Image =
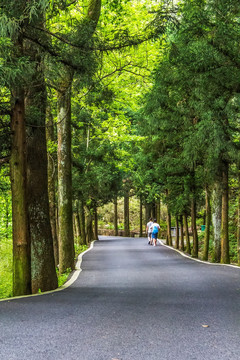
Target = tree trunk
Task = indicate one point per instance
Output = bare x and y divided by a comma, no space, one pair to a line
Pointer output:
140,217
147,213
182,233
169,234
238,219
159,211
207,226
74,227
7,214
82,224
194,228
95,223
94,8
21,239
89,232
77,227
177,234
52,171
115,217
153,210
225,259
43,273
126,215
66,241
188,245
216,220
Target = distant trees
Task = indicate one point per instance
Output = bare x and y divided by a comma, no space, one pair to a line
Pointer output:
192,114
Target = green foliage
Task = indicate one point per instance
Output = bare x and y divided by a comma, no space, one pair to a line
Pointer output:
80,248
5,268
63,277
5,236
106,214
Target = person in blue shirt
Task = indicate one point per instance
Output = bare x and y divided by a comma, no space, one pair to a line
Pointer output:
155,229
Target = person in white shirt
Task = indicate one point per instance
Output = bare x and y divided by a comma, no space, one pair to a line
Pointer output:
155,228
149,231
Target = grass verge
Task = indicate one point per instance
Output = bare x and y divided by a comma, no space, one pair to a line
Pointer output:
6,276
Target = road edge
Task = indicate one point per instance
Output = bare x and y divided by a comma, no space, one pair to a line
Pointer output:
194,259
75,274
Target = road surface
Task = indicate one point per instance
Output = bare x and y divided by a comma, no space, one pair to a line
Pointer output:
132,301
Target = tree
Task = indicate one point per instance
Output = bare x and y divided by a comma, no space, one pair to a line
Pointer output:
20,66
194,92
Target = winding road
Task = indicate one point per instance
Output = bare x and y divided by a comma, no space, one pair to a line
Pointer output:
132,301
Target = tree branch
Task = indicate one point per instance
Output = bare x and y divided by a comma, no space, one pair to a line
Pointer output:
65,41
134,40
54,53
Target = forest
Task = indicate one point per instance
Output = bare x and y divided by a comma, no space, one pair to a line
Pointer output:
105,101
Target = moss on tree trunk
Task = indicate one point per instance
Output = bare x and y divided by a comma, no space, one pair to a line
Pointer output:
77,227
65,221
21,240
82,223
52,172
43,272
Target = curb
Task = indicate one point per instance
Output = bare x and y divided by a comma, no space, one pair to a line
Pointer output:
75,275
194,259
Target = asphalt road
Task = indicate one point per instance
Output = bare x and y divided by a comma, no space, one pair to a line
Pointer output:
132,301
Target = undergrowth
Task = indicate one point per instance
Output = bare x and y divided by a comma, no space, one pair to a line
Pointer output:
6,268
6,265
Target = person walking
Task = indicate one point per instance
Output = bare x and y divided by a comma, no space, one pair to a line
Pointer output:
155,229
149,231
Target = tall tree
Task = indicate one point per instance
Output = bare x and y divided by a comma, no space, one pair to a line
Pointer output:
115,217
43,273
37,202
21,239
207,228
52,172
66,241
126,213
